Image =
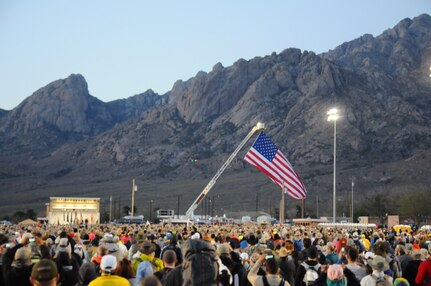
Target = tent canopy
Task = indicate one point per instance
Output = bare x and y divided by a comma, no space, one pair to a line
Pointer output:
28,222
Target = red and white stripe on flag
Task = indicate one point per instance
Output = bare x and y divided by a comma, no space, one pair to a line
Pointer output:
266,157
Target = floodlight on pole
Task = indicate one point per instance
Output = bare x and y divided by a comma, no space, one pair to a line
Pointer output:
333,116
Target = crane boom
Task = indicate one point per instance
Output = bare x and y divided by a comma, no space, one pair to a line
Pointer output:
189,213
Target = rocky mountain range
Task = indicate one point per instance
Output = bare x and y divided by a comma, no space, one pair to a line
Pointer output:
62,141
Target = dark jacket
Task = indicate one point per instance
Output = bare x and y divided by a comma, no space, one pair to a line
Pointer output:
411,271
163,273
287,269
14,275
174,277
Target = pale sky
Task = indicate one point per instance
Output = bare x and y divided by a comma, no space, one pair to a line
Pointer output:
123,48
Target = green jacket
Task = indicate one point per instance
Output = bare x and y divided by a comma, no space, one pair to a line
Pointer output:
156,262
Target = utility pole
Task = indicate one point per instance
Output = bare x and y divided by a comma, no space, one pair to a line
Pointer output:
257,203
178,205
110,208
151,210
133,198
119,207
302,208
282,205
353,184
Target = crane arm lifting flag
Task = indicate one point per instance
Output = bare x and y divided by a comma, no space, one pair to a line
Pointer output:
266,157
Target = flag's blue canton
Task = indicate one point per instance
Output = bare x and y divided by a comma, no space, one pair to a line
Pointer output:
265,147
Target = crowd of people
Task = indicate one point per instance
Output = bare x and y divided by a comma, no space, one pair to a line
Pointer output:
239,255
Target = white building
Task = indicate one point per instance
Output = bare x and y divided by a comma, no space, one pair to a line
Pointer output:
65,210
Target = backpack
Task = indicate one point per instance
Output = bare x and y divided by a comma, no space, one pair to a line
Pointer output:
200,265
311,273
382,280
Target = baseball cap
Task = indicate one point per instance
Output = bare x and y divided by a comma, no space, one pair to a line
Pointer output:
108,263
44,270
23,256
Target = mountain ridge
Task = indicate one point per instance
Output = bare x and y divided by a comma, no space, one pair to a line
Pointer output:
380,84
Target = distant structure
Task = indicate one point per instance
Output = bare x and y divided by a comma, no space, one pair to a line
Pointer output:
309,221
388,220
65,210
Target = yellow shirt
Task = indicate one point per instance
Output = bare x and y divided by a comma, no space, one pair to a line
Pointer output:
367,243
109,280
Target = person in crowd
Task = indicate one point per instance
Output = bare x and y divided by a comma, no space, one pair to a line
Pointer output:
112,245
306,243
146,253
169,262
353,265
150,280
124,269
336,275
404,256
5,245
144,269
331,256
286,265
108,265
271,276
311,262
17,263
378,265
172,244
135,241
88,272
382,248
412,267
423,276
297,241
67,265
365,241
97,258
44,273
92,244
231,260
122,249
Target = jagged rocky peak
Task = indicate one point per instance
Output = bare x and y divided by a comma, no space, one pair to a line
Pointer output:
394,53
124,109
64,104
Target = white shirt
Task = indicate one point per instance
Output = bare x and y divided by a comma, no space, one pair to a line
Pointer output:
256,280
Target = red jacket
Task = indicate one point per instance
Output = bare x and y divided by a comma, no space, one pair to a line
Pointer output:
424,273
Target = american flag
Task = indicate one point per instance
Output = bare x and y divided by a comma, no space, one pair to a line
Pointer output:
266,157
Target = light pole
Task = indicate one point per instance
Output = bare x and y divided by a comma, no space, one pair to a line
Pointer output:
353,184
134,189
333,116
151,210
110,208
